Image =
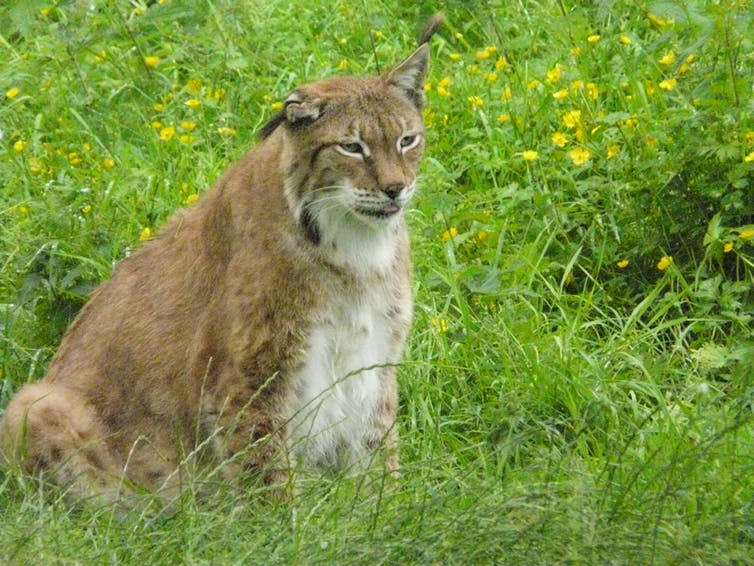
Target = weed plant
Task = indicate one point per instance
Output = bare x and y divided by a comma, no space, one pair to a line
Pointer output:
579,383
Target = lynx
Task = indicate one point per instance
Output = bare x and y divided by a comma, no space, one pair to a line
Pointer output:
263,324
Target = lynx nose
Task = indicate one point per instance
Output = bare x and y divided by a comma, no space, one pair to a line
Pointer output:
393,190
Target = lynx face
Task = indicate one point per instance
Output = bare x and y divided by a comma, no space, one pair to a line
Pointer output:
353,147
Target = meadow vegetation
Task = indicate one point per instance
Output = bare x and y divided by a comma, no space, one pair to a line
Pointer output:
579,384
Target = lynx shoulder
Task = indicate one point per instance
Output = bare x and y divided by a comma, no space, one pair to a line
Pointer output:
263,324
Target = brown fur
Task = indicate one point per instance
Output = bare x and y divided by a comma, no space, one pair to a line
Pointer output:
194,340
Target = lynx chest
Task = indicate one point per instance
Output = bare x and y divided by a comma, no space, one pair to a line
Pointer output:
338,386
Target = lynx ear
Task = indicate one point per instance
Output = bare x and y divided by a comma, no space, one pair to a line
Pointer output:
409,75
298,107
297,110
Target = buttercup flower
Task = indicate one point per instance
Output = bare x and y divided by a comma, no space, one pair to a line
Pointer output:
192,198
503,118
454,56
12,92
559,139
749,158
554,74
613,150
476,101
507,93
194,86
579,155
501,63
145,234
625,40
167,133
668,58
560,94
592,92
665,262
594,38
450,233
529,155
188,125
19,146
667,84
193,103
746,234
276,105
572,118
151,61
727,247
622,264
108,163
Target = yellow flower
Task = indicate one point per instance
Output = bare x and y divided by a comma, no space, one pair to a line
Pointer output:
483,54
613,150
507,93
19,146
578,84
657,21
625,40
630,122
476,101
575,51
194,86
440,324
276,106
217,94
559,139
746,234
378,34
185,138
145,234
749,137
44,12
491,77
622,264
12,92
458,35
442,91
529,155
427,87
490,49
108,163
193,103
23,209
223,131
343,40
748,159
579,155
532,84
156,124
560,94
594,38
151,61
501,63
665,262
668,84
86,209
100,57
454,56
572,118
188,125
481,235
554,74
472,69
34,165
167,133
445,82
343,64
503,118
192,198
668,58
449,234
592,92
158,106
728,247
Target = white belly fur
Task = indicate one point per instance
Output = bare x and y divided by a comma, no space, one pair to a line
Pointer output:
336,390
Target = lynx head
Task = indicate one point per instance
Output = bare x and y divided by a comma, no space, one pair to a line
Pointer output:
352,147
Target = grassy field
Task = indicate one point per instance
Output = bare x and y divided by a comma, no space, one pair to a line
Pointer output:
579,385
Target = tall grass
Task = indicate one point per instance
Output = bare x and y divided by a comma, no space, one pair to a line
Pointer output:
578,387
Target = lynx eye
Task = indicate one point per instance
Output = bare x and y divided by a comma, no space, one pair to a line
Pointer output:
351,149
408,141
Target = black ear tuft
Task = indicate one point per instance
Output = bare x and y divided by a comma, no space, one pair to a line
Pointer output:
272,125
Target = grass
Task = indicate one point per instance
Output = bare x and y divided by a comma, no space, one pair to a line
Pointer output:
569,396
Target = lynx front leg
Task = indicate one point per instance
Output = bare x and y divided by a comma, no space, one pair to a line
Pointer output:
384,431
248,439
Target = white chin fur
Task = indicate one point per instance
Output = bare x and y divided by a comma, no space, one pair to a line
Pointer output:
347,238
